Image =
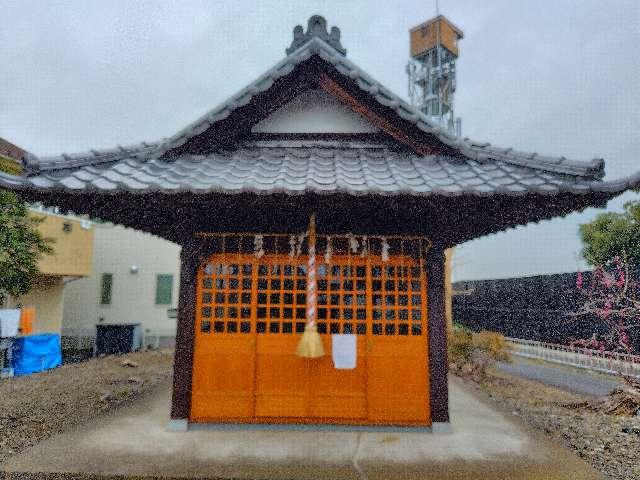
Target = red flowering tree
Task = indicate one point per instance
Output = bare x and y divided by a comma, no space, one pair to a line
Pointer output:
612,297
611,244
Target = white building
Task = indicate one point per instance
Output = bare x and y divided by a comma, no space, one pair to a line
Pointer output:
134,280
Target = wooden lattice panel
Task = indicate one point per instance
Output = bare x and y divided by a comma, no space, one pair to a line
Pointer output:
351,291
250,312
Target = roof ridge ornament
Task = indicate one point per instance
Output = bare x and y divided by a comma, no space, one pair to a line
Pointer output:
316,27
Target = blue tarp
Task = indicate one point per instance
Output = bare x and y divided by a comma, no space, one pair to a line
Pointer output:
35,353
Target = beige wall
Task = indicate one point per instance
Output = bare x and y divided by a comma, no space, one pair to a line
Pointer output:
9,165
47,298
72,257
72,250
116,249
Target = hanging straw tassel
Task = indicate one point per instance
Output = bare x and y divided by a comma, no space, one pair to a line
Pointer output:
310,345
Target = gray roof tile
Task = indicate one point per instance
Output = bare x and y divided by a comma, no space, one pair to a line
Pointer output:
482,151
297,166
319,166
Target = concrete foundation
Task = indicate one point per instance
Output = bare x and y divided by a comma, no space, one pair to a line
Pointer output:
178,425
482,443
441,427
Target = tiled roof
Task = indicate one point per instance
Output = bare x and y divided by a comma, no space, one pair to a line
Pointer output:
302,166
10,150
93,157
316,166
466,146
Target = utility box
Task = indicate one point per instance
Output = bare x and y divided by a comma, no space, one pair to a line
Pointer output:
118,338
6,346
9,322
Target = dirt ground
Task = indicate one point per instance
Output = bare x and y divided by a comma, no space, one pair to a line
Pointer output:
610,443
78,476
35,407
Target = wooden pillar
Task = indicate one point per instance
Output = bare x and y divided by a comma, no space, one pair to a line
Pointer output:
448,288
183,362
438,362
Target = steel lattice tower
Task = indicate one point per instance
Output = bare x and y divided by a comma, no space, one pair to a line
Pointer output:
432,71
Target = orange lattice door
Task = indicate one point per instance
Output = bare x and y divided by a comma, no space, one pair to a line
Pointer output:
398,383
251,312
297,389
282,378
224,350
341,395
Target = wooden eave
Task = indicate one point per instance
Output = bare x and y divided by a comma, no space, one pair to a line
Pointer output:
447,221
312,74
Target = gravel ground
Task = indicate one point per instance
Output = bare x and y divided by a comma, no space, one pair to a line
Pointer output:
611,444
37,406
566,378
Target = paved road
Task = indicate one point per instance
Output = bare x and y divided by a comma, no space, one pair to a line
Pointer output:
566,378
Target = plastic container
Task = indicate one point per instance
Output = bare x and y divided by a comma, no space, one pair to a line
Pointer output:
27,318
36,353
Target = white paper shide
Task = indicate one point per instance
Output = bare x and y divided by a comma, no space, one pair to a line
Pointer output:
344,351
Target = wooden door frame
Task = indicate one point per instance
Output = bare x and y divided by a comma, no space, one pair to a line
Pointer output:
437,325
185,331
193,253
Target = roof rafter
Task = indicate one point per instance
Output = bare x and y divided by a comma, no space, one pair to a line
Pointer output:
333,88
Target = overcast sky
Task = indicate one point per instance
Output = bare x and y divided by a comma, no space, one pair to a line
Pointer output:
558,77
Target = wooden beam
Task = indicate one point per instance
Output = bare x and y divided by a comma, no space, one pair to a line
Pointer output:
176,216
332,87
448,312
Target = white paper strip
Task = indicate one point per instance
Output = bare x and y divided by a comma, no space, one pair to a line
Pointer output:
343,351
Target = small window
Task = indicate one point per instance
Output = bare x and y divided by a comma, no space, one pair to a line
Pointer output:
105,289
435,106
164,289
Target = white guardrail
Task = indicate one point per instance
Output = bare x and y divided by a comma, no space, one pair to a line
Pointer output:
608,362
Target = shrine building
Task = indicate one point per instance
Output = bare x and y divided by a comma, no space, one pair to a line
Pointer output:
314,142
